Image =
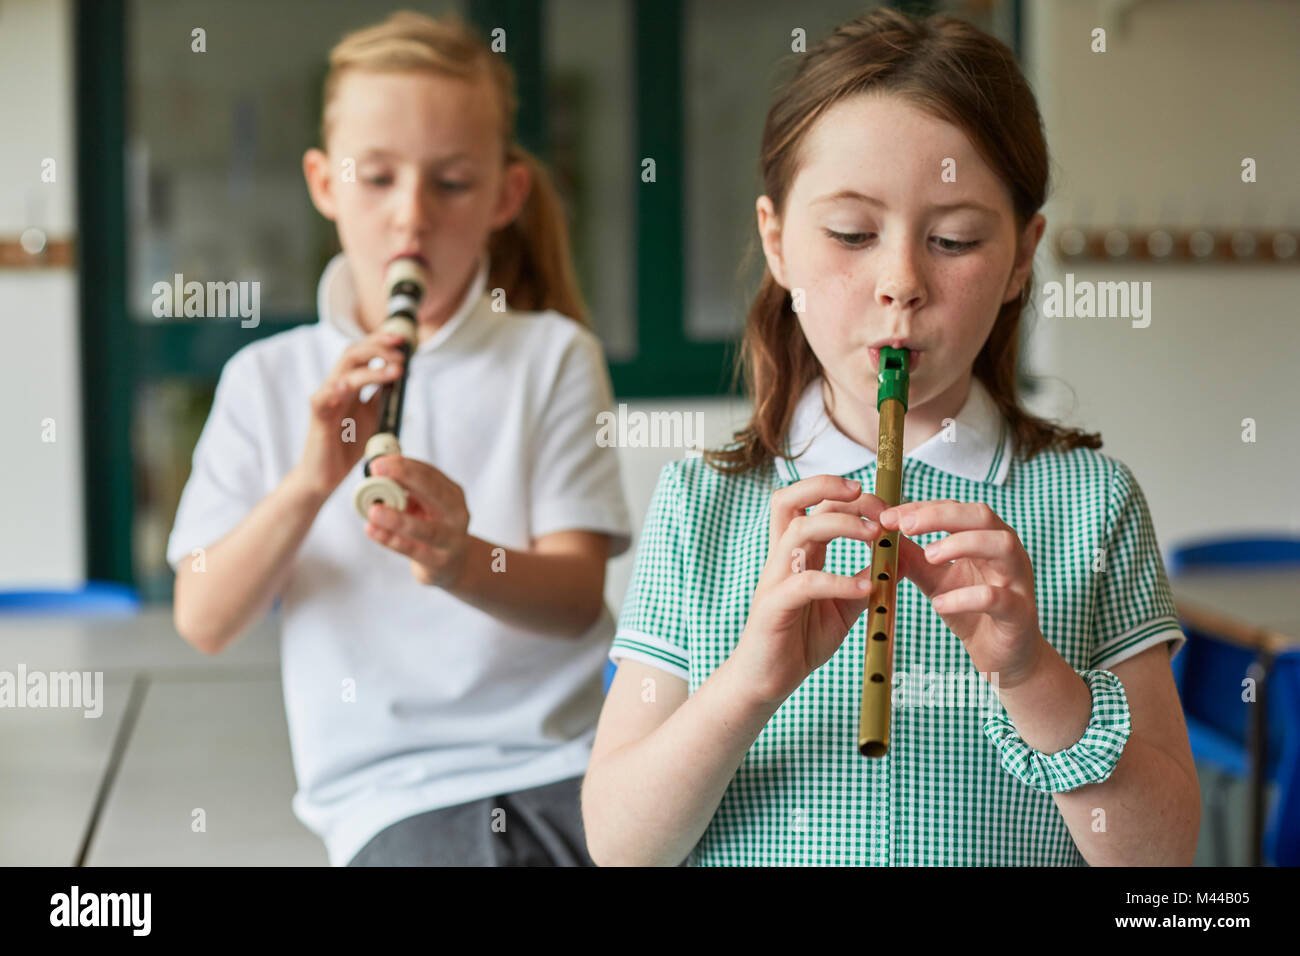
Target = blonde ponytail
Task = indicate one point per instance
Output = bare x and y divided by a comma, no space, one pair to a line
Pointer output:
530,257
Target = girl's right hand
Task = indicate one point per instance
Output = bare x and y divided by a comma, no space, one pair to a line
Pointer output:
801,614
327,457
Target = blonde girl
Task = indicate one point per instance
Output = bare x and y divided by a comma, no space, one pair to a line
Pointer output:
441,666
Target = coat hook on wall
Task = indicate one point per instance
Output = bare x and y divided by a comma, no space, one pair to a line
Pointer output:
34,249
1158,244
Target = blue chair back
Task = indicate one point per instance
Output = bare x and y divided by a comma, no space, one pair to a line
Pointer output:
1269,551
1212,688
1236,553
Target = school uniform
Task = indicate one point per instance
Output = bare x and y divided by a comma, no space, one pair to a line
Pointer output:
400,698
958,786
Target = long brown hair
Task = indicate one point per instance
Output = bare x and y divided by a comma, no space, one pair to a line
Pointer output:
530,257
959,74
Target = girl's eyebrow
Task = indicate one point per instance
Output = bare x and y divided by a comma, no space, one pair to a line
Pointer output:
872,200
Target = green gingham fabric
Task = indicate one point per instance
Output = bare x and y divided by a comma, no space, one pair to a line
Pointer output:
945,794
1091,760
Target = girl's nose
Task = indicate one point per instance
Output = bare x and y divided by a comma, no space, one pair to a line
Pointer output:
414,207
900,282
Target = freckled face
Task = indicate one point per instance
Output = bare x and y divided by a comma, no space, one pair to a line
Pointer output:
429,171
895,265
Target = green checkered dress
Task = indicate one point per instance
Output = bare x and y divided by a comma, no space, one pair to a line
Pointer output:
957,787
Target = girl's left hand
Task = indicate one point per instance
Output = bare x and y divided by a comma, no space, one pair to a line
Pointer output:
979,579
433,530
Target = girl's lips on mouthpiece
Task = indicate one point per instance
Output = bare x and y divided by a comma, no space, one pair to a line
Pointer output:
912,357
411,254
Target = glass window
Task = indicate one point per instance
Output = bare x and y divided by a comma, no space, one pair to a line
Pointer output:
215,139
591,126
167,418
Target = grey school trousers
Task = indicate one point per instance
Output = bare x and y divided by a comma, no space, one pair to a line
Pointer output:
541,826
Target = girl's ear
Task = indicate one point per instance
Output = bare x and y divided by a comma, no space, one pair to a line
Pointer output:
320,182
515,187
769,233
1025,248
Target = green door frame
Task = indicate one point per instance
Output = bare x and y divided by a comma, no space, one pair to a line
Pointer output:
108,351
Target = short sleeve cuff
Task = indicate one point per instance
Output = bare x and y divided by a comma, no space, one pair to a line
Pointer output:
1091,760
1135,640
652,650
583,516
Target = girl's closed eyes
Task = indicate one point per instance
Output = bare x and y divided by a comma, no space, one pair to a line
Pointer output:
444,185
856,240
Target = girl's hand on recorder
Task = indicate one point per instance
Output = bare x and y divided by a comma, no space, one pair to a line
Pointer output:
332,448
800,614
433,531
979,579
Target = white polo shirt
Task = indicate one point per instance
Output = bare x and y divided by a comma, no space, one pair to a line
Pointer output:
401,698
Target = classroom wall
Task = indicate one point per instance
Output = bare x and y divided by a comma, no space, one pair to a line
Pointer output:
41,521
1156,128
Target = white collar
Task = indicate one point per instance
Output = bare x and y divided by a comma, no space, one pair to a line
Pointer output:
336,302
980,449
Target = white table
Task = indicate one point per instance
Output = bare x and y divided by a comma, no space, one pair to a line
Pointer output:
180,731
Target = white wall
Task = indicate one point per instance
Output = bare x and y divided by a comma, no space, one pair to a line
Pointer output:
639,468
41,521
1155,129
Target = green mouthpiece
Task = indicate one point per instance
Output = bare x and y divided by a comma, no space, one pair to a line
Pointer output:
891,380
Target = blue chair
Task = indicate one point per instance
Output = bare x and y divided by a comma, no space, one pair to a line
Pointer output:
1236,553
1282,839
610,668
1209,673
95,598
